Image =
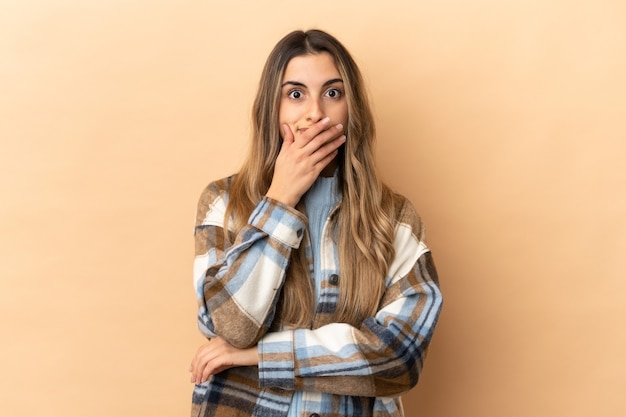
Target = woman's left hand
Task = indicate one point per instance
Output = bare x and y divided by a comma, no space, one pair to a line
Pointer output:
218,355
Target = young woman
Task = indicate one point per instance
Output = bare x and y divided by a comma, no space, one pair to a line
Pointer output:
316,288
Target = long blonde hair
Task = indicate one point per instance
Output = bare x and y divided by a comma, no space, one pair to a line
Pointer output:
364,222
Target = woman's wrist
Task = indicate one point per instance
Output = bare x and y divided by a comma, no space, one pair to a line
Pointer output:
251,356
286,200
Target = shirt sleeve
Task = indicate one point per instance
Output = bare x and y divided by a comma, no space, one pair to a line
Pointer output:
385,354
238,285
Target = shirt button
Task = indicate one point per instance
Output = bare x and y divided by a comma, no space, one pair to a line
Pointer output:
334,279
299,232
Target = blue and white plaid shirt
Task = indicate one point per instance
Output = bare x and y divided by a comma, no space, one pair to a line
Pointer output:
342,370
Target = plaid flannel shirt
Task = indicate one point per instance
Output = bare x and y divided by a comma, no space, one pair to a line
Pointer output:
342,370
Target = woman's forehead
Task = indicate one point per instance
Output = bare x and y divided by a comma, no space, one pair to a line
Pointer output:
313,68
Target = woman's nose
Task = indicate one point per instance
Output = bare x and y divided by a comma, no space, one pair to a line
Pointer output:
315,111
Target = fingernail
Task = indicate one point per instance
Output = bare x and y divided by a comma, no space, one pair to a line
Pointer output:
339,126
342,138
325,120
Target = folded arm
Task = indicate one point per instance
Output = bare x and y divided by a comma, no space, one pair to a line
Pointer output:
238,285
384,355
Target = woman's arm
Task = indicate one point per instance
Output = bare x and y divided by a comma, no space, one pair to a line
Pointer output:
237,286
381,357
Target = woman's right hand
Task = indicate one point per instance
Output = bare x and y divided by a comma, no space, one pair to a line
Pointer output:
302,159
218,355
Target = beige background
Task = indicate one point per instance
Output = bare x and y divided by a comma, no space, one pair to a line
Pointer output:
503,121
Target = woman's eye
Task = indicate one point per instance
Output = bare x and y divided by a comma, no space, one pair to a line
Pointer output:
295,94
333,93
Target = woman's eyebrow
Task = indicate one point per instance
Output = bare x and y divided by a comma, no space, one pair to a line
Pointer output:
332,81
296,83
299,84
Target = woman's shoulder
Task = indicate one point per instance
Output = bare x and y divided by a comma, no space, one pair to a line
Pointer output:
214,192
406,214
218,187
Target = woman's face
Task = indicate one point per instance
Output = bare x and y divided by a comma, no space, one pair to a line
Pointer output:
311,90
